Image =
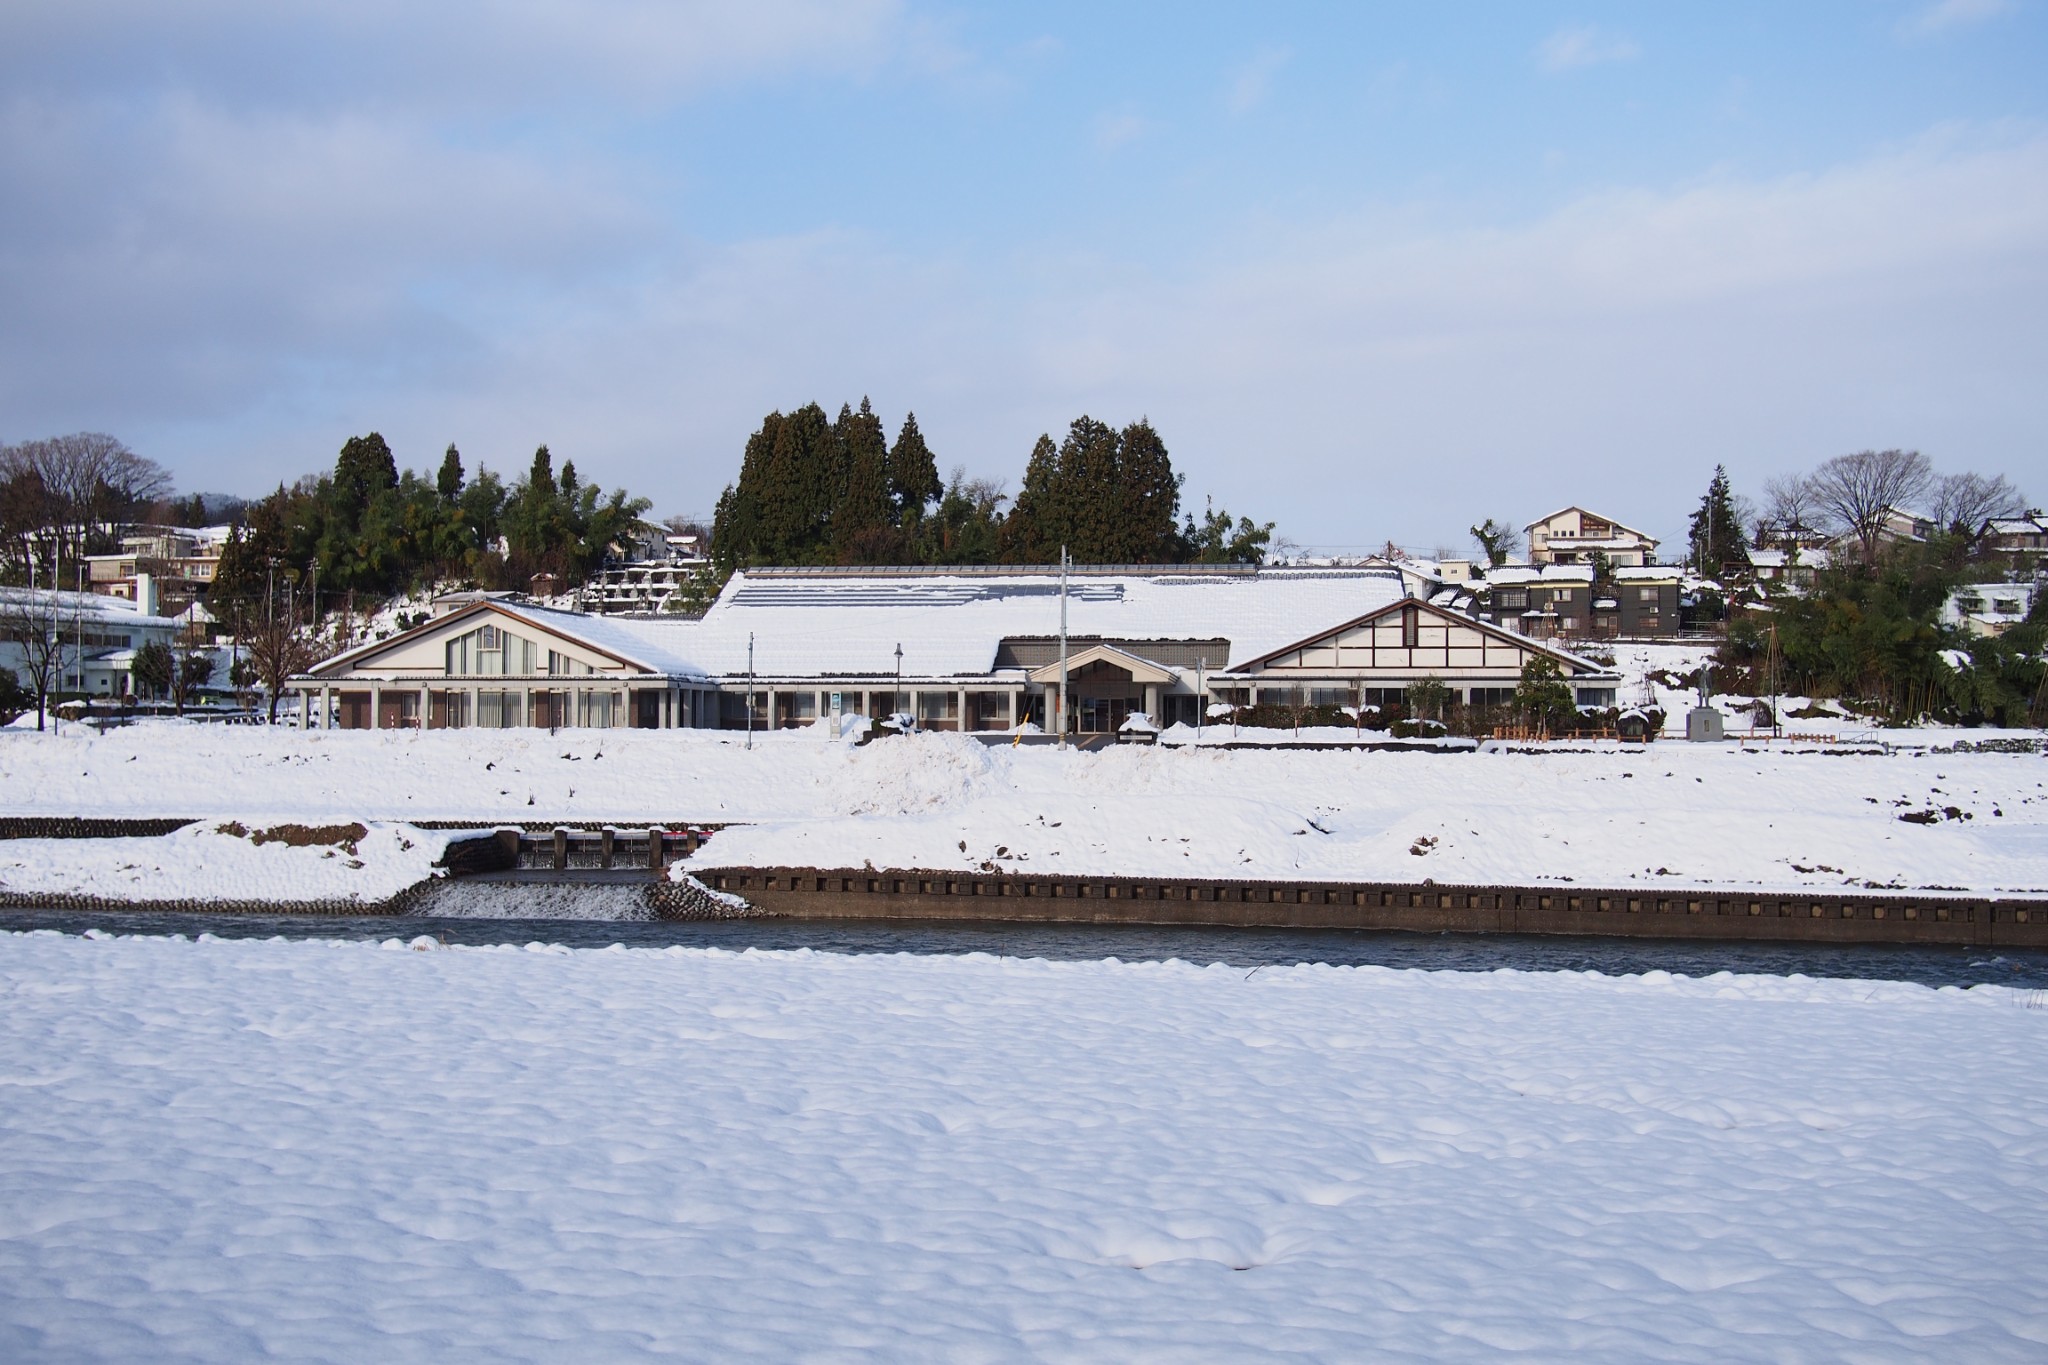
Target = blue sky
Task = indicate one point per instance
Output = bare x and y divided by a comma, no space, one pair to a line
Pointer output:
1375,271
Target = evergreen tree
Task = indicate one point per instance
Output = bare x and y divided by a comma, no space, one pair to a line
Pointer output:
863,530
449,481
913,473
1037,525
365,468
1147,500
1716,534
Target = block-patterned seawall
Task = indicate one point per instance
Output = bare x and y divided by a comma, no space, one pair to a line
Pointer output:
1903,917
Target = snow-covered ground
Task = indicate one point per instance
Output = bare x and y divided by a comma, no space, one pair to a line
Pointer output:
225,1151
225,861
1674,814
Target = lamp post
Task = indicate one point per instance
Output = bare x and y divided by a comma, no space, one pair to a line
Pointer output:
750,690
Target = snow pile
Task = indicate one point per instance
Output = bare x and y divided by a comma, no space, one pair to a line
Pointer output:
241,1150
227,861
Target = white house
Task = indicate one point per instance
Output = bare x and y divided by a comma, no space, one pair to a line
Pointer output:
962,648
1574,536
1988,608
98,636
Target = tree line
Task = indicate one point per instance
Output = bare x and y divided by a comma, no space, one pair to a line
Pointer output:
814,490
367,528
1870,629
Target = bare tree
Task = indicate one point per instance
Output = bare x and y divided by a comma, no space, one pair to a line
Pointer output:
275,640
1498,539
91,482
1964,502
1790,506
32,620
1858,490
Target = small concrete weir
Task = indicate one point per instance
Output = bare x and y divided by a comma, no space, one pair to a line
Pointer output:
566,872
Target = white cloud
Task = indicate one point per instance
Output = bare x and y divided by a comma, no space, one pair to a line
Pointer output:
1568,49
1116,128
1943,15
1254,81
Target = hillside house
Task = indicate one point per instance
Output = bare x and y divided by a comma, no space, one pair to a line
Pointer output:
1574,536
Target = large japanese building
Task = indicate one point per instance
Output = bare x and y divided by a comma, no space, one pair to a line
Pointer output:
961,648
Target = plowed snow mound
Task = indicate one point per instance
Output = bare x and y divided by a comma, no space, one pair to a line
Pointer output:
911,774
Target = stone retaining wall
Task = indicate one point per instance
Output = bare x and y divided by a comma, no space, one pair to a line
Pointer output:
86,827
839,893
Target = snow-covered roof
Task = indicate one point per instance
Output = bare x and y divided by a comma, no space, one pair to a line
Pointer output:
1515,574
85,606
1644,535
849,623
1650,573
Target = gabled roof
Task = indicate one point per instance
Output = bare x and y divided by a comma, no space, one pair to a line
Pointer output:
1141,670
588,631
1513,637
1645,535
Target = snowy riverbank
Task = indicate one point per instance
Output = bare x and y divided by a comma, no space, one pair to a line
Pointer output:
226,862
239,1150
1674,815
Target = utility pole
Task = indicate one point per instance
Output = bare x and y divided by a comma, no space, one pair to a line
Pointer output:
1777,722
1060,719
750,690
1201,696
896,698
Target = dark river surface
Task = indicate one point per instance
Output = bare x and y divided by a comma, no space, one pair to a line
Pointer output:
1932,966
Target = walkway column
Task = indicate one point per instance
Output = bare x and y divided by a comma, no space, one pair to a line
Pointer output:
1152,701
326,707
305,708
426,705
376,706
960,700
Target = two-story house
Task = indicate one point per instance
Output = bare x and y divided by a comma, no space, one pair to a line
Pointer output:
1574,536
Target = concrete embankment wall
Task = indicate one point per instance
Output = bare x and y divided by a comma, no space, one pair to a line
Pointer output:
839,893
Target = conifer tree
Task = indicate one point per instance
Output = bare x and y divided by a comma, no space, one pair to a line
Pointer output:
449,481
1037,524
1147,499
365,468
913,473
862,524
1716,533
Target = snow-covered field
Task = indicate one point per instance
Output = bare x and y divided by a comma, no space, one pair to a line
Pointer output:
224,1151
1673,815
221,861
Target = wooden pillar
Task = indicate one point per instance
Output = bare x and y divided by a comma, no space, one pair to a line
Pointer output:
326,707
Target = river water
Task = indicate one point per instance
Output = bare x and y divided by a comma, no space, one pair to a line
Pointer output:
1247,948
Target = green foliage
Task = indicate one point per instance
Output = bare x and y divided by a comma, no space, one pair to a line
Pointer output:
449,480
1427,697
913,472
370,529
1109,497
15,700
1542,697
1716,534
1869,633
153,669
1497,540
1218,541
